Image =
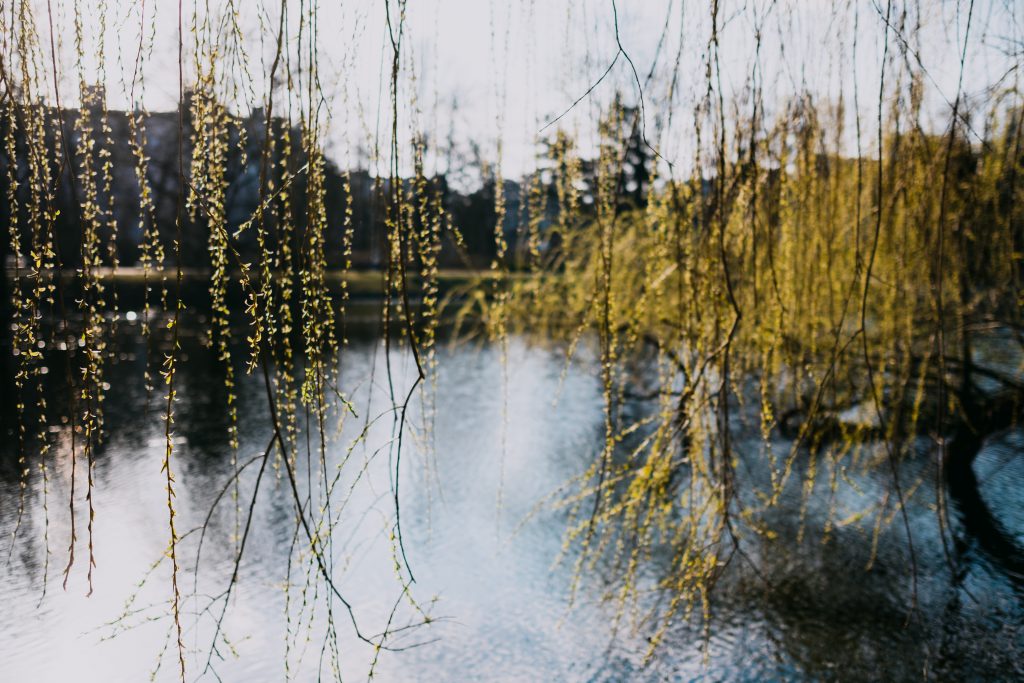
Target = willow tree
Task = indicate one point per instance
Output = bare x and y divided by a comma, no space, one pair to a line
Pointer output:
806,255
842,294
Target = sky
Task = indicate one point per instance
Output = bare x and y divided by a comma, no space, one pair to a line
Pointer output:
489,74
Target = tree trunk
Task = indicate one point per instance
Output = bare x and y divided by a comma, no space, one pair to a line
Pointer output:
983,418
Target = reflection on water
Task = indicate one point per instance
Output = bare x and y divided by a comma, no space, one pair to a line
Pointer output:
486,573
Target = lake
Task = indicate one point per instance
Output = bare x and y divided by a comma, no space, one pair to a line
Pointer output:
482,538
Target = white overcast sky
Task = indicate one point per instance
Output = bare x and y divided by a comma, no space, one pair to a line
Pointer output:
496,69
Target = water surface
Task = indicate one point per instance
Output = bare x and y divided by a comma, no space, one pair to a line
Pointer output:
482,546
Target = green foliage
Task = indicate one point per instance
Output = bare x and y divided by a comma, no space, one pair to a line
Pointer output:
810,282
